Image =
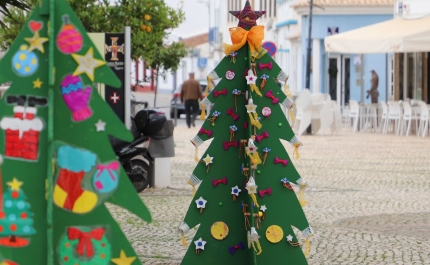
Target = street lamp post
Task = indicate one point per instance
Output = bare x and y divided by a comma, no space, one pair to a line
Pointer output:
309,49
308,57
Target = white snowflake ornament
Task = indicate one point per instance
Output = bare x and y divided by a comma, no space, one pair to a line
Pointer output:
251,148
251,107
263,208
250,78
253,235
250,186
200,244
201,203
235,190
208,159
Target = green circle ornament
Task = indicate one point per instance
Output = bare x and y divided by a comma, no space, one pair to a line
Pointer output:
279,124
73,247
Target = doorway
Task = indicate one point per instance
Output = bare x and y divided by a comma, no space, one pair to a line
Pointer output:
345,80
338,78
333,80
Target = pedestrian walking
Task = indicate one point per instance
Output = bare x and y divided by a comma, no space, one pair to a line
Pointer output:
373,92
190,95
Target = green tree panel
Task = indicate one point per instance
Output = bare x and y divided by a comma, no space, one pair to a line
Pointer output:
50,142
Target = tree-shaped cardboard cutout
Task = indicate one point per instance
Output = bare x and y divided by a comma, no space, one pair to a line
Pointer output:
54,141
16,219
246,203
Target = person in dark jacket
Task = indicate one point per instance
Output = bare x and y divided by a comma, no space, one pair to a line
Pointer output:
190,94
373,92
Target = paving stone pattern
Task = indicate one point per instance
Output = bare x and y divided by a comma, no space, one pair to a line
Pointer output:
369,200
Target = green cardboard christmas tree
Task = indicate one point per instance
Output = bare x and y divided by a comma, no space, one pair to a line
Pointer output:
246,203
59,167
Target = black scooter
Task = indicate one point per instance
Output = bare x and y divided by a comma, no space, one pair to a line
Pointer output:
134,156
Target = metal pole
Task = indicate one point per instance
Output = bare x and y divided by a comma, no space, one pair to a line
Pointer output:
175,113
308,57
309,50
127,76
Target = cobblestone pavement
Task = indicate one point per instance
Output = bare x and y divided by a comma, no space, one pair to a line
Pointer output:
369,200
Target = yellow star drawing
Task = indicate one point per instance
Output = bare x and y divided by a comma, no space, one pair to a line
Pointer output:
123,259
14,184
37,83
36,43
87,64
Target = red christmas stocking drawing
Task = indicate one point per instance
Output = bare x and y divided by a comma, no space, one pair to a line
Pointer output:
68,193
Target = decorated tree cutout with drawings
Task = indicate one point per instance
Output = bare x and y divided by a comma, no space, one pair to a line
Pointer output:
16,219
54,140
246,202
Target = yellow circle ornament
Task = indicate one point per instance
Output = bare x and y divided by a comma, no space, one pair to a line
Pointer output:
219,230
274,234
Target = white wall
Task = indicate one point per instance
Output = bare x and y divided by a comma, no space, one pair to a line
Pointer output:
411,9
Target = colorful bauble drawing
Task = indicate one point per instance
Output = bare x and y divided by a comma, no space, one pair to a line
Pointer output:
16,220
68,192
69,40
106,178
84,246
219,230
76,97
274,234
25,63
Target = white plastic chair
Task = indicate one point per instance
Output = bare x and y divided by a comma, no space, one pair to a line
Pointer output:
326,117
424,119
337,122
345,115
384,115
408,118
394,115
303,111
354,111
370,117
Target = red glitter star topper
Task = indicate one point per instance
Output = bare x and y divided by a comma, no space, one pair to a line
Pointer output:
247,17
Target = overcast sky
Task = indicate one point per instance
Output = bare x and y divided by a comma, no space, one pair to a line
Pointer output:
196,18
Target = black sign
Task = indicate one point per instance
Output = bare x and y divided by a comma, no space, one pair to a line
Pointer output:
114,56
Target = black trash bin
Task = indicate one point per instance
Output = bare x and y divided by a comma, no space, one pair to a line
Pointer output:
162,144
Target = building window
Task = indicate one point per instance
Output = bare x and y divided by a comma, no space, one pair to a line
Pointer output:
274,10
391,77
270,8
228,9
184,71
265,7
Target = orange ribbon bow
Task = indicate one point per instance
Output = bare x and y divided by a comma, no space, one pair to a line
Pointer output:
240,36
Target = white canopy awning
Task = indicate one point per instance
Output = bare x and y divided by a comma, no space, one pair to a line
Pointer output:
396,35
